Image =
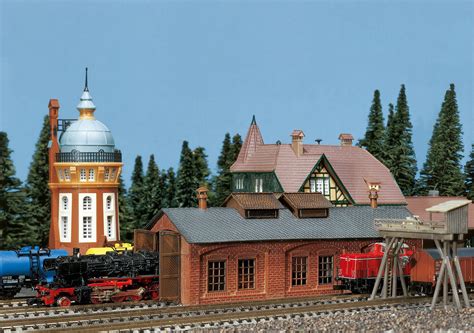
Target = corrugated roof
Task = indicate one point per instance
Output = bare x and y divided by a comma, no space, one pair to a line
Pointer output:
256,200
301,200
216,225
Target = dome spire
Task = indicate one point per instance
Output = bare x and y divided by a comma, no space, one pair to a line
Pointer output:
86,107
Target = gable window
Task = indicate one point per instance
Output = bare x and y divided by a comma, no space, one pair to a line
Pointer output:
216,275
246,273
91,175
259,185
83,176
325,269
298,271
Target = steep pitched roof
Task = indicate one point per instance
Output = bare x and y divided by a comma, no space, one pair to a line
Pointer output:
217,225
252,142
351,164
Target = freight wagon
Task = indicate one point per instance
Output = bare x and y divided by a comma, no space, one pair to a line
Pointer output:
425,266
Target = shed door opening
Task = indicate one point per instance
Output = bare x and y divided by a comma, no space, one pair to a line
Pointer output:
169,266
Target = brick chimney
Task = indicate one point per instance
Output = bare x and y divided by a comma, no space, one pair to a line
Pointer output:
346,139
202,197
373,196
297,142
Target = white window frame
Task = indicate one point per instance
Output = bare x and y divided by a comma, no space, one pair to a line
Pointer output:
91,175
83,175
106,174
65,212
92,212
258,185
110,212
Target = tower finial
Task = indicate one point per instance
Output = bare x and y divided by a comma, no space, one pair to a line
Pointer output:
254,122
86,88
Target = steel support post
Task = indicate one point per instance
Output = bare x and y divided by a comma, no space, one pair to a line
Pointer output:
382,266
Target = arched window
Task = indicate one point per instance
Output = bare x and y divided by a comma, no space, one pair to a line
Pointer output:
109,202
87,203
83,175
65,203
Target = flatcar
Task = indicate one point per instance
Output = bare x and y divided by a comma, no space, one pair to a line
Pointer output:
23,268
358,271
425,266
112,277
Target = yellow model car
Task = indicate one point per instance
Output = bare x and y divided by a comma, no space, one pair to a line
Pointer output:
118,247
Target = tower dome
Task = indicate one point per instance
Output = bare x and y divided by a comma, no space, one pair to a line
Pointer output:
87,134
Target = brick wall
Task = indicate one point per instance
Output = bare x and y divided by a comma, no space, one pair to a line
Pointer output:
273,260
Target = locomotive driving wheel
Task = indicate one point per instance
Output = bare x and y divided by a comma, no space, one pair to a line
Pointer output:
63,301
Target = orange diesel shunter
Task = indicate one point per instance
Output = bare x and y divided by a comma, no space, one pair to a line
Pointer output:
84,169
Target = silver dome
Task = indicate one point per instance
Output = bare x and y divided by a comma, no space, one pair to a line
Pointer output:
87,135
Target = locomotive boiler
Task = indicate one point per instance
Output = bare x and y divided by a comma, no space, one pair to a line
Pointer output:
24,268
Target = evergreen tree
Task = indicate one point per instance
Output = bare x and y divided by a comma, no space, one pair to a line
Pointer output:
442,168
14,231
223,181
469,171
135,198
187,183
153,191
390,139
170,185
373,140
126,229
235,148
202,169
399,146
37,190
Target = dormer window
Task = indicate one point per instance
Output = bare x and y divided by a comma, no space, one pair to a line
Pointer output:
259,185
313,213
261,213
254,205
307,205
239,183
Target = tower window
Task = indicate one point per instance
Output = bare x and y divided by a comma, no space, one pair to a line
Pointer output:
65,203
83,175
112,175
64,226
87,203
108,203
61,177
109,226
106,174
67,175
239,184
87,227
91,175
259,185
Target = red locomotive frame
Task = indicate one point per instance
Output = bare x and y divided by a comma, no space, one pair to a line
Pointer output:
102,290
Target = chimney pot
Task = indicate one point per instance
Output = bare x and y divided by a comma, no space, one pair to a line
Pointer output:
202,197
373,196
297,142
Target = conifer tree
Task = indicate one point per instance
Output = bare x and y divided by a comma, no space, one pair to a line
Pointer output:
235,149
399,146
153,191
373,140
187,183
469,173
14,231
390,139
202,169
223,179
442,168
170,195
126,229
37,190
135,196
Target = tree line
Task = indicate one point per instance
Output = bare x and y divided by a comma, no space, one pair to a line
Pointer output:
25,208
391,143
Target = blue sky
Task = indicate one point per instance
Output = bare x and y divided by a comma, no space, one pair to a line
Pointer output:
166,71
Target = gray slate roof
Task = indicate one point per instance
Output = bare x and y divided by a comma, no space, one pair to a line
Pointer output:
217,225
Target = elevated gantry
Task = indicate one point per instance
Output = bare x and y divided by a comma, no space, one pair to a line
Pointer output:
450,231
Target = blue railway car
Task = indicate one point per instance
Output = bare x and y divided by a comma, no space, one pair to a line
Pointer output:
24,268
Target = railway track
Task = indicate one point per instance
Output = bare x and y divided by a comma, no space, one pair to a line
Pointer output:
54,317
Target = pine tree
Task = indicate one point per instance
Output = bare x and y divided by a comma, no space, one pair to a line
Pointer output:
469,172
14,231
390,139
126,229
223,181
399,146
235,148
37,190
442,168
187,183
153,191
135,198
202,169
373,140
170,185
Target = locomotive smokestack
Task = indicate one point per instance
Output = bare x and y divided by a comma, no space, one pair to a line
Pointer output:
202,197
